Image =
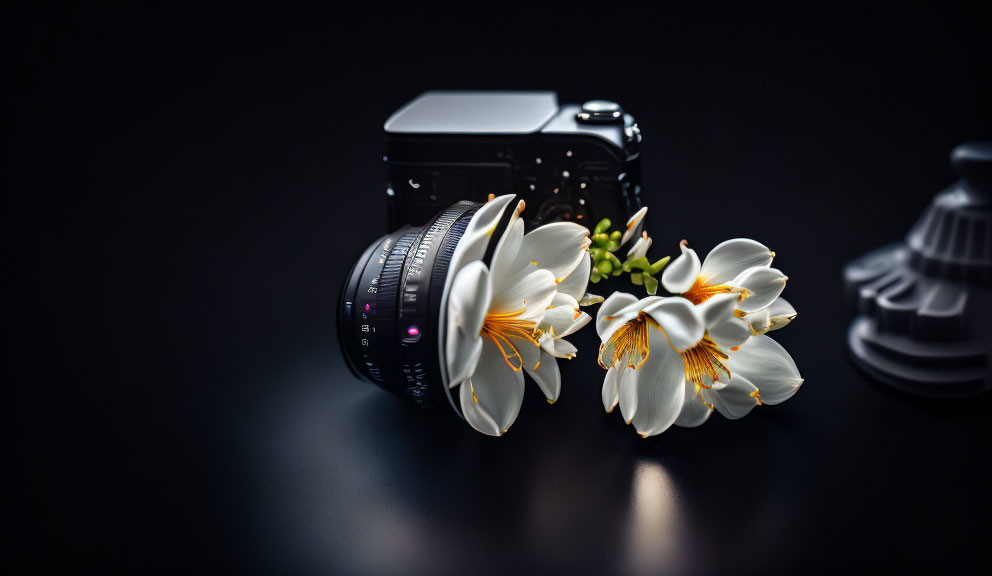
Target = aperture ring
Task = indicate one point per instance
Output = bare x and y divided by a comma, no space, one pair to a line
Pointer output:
387,309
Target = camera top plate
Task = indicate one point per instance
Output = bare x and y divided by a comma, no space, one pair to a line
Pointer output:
495,112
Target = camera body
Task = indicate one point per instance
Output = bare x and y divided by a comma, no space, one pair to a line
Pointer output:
569,162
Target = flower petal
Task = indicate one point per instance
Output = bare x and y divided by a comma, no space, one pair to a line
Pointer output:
626,391
498,388
558,347
610,391
487,217
576,283
776,316
679,320
558,247
561,300
718,308
729,332
694,411
475,240
781,313
469,298
532,293
766,364
505,255
759,322
560,321
563,307
730,258
474,414
547,376
681,272
660,388
633,225
556,320
735,399
462,353
530,353
471,247
607,319
640,248
763,284
577,324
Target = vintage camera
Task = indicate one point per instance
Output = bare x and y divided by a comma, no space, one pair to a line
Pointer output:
569,162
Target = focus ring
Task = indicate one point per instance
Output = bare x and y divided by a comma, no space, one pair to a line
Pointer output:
417,335
387,308
440,393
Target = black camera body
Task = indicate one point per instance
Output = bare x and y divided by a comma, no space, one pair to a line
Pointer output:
569,162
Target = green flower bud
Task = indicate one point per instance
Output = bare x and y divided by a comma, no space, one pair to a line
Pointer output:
603,226
651,284
657,266
638,263
617,266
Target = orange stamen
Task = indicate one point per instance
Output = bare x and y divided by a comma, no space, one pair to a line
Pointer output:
628,341
704,359
701,291
500,327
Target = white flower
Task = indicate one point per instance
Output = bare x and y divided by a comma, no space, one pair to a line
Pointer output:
633,224
640,248
509,317
740,267
673,360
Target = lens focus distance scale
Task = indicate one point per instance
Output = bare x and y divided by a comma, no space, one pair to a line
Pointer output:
417,330
388,304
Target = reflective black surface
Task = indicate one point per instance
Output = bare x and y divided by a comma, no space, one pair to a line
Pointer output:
185,198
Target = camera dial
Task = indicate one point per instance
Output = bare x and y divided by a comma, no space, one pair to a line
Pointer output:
600,112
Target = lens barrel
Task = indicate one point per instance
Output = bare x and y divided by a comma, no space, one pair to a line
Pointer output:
390,306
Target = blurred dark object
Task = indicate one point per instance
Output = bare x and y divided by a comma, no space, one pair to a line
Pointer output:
569,162
924,304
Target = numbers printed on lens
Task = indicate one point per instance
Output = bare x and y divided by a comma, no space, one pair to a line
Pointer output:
394,329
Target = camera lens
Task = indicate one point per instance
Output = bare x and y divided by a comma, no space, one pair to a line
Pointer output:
389,308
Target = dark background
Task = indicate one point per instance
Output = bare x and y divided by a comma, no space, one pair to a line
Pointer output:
185,189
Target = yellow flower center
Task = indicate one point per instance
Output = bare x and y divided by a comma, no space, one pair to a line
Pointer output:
502,328
628,341
704,359
701,291
630,344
